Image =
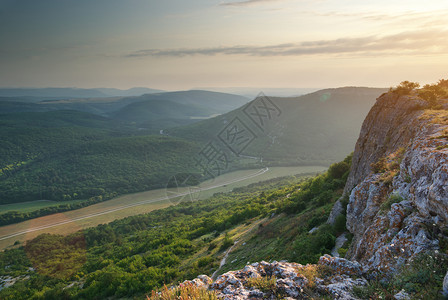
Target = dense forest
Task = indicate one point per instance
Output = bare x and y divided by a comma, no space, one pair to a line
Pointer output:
67,155
132,256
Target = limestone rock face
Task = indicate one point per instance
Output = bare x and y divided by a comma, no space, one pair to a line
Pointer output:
341,265
336,211
389,125
292,280
399,208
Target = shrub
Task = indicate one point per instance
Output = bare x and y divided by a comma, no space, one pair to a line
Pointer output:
424,275
309,247
422,278
337,170
226,243
211,246
324,198
405,88
342,252
443,83
340,224
432,93
394,198
380,166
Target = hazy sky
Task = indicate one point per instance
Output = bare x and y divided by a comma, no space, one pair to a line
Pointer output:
182,44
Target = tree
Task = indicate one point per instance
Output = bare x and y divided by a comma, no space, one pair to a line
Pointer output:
432,93
405,87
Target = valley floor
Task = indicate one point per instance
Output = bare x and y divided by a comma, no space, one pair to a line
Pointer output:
138,203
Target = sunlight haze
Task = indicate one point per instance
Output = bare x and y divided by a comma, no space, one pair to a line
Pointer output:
177,44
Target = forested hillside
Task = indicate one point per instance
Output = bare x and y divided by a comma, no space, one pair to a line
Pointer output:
66,155
130,257
318,128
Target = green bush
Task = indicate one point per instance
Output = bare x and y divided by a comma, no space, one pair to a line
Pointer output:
310,247
226,243
340,224
393,198
337,170
342,252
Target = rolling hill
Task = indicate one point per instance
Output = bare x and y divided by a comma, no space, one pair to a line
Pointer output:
37,94
147,110
318,128
75,155
161,111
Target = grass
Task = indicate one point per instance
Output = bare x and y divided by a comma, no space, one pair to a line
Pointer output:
271,239
213,249
389,166
435,116
422,278
183,292
264,284
135,210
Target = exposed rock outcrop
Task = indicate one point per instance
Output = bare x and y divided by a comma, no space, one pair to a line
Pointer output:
334,277
389,125
401,156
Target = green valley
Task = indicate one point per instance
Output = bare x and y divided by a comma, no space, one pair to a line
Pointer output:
129,257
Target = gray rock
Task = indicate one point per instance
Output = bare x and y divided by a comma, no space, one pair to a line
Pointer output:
290,281
341,265
336,211
445,285
402,295
313,229
385,239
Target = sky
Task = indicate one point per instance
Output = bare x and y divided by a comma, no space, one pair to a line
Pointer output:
185,44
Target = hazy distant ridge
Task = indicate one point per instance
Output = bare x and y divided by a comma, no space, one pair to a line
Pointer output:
74,92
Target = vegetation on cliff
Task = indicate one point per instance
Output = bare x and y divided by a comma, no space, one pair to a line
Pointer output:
429,92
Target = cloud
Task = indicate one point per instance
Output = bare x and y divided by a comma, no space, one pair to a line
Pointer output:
246,3
434,17
416,42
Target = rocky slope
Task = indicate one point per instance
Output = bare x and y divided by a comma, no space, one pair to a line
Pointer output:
333,277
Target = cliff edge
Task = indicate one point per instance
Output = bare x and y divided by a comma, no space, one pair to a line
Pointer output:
398,184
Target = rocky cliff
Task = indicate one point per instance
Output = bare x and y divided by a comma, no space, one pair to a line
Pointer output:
398,183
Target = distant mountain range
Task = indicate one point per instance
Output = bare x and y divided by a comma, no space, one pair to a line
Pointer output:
165,110
317,128
150,111
85,147
252,92
38,94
